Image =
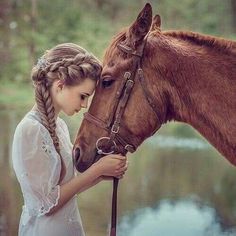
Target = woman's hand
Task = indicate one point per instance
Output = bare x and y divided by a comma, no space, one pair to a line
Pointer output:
112,165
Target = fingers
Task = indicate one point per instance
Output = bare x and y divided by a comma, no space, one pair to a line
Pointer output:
121,171
117,156
114,165
120,176
123,165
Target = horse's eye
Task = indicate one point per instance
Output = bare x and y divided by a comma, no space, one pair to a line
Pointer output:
107,83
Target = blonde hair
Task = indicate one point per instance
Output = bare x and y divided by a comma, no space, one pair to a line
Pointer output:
71,64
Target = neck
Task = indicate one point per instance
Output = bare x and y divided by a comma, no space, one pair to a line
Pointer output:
201,92
57,111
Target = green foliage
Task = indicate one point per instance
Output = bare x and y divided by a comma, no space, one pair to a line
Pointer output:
212,17
15,95
30,27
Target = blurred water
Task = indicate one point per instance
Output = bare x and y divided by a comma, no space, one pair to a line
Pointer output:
177,142
181,218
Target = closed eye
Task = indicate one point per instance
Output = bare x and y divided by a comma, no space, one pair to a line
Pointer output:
83,97
107,83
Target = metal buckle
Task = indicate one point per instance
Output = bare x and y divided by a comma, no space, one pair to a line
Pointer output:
129,148
99,150
115,129
124,48
140,71
127,75
130,83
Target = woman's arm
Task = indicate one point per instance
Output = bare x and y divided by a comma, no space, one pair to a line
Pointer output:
112,165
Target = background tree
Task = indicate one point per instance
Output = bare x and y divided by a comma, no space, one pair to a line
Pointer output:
30,27
233,3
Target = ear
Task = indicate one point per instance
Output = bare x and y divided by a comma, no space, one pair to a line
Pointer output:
59,84
156,23
139,29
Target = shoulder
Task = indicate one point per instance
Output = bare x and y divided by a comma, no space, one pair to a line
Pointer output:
63,129
62,124
30,126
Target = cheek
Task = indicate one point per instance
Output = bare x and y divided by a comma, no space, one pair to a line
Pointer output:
74,100
66,99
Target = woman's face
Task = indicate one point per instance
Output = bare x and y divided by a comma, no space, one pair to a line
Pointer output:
70,99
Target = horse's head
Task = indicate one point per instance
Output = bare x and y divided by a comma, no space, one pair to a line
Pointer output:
123,105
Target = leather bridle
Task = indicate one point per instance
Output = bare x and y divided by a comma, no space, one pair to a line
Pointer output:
114,123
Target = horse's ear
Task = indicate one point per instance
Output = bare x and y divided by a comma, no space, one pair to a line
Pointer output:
156,23
140,27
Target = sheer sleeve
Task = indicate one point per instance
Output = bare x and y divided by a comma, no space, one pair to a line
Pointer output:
37,166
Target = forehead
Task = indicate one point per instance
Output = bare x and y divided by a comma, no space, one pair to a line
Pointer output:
86,86
112,49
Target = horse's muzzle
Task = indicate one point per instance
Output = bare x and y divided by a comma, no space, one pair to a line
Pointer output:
79,164
78,159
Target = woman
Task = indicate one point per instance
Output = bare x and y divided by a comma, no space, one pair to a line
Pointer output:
64,78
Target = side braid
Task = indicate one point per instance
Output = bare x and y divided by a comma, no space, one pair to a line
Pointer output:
47,115
67,62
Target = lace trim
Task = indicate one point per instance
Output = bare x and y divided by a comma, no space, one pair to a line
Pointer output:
48,147
50,201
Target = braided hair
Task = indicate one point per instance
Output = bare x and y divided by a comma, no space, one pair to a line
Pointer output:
71,64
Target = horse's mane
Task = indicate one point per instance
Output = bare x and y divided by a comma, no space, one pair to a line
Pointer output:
116,39
220,44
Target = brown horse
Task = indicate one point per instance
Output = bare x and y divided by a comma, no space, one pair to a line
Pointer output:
187,77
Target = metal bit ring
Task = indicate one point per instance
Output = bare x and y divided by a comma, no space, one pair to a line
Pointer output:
99,150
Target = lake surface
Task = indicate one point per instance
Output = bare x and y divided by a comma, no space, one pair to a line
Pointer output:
177,184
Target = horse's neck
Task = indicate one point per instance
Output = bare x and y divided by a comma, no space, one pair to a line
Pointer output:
209,109
202,93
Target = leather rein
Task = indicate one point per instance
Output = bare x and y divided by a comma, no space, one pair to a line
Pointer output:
114,122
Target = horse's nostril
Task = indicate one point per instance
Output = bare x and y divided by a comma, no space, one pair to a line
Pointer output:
76,154
80,165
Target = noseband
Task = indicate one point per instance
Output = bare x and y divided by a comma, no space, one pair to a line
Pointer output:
113,125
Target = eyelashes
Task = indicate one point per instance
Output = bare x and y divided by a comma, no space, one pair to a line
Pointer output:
107,83
82,97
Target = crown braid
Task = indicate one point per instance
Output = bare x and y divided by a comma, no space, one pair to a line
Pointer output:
67,62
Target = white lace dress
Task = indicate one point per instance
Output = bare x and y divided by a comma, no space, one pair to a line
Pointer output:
37,166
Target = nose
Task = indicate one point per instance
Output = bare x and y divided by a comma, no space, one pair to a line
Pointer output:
84,104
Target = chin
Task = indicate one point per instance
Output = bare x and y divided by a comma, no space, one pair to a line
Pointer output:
69,113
